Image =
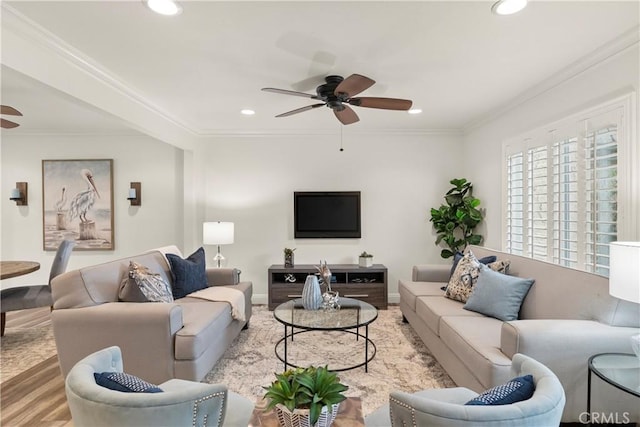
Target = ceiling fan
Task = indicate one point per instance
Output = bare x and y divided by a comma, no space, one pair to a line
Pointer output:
337,92
10,111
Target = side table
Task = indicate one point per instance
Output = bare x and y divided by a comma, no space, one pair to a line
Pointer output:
621,370
349,414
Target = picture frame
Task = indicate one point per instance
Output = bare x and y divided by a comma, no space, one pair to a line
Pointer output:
77,203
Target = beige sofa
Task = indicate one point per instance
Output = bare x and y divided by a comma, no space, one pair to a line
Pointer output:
567,316
159,341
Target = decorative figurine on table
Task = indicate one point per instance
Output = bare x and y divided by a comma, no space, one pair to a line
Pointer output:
329,297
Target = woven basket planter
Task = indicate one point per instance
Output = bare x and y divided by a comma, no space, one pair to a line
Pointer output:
300,417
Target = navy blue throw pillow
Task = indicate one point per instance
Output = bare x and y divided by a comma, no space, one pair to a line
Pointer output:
516,390
119,381
189,275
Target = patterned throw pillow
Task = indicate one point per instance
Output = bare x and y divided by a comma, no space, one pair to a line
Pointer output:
151,287
189,275
120,381
516,390
466,275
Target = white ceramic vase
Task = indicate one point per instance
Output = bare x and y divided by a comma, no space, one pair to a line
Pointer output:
300,417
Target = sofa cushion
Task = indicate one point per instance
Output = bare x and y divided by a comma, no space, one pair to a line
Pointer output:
431,309
120,381
466,275
410,290
476,342
516,390
498,295
189,275
203,322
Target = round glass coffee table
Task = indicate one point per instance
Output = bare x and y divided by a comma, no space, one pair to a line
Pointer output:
621,370
352,315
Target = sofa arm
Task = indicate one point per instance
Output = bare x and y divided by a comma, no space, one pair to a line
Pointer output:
223,276
143,331
546,338
431,273
564,346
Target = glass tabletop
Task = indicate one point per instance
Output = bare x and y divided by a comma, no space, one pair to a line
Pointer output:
353,313
619,369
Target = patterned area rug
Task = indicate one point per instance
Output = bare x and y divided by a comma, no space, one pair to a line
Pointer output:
23,348
402,361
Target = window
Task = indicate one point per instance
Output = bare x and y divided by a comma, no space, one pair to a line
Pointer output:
565,188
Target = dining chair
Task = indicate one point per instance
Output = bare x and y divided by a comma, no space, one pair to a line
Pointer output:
33,296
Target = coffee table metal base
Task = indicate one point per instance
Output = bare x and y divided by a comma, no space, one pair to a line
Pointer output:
368,355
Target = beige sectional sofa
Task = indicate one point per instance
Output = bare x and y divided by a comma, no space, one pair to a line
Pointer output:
159,341
566,317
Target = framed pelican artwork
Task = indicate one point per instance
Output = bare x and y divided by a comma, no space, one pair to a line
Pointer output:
77,203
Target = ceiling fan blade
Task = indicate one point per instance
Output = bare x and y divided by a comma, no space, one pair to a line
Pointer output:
5,109
354,84
6,124
289,92
300,110
347,115
383,103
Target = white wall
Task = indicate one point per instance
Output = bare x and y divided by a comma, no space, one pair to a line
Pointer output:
607,80
158,222
250,181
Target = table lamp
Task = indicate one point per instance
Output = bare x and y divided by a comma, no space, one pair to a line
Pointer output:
217,233
624,277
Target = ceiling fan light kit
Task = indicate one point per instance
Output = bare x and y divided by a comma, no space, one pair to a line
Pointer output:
164,7
508,7
337,93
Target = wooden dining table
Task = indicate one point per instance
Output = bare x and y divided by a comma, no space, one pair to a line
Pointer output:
10,269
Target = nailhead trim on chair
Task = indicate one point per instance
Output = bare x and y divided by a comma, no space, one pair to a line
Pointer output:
404,405
202,399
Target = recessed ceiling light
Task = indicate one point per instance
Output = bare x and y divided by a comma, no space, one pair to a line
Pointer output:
247,112
164,7
414,111
508,7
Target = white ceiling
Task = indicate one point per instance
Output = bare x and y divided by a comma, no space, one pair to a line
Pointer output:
457,61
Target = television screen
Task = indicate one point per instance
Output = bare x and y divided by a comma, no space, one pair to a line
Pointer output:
334,214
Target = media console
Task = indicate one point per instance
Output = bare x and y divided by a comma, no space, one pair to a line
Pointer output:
367,284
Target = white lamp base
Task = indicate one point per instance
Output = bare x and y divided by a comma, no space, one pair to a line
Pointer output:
219,260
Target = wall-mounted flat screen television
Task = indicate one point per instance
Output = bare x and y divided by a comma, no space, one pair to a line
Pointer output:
326,214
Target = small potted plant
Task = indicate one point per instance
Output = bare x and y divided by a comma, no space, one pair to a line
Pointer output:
288,257
365,259
306,396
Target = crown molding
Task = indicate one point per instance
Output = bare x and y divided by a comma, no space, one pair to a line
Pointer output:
329,132
602,54
15,21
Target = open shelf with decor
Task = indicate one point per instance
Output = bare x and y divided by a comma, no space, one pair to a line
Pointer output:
367,284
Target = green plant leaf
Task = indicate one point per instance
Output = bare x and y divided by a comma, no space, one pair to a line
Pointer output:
474,239
446,253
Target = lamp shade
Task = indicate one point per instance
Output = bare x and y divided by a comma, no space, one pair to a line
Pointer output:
217,233
624,270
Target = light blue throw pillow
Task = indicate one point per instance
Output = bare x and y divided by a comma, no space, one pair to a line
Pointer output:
498,295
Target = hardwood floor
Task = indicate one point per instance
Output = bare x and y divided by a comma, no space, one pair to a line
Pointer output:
34,397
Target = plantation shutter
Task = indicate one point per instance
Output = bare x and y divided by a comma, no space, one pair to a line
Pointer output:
561,191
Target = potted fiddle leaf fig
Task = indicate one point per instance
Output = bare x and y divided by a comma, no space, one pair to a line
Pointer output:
456,220
306,396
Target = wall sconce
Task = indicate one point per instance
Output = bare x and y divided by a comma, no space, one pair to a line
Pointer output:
135,194
19,194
